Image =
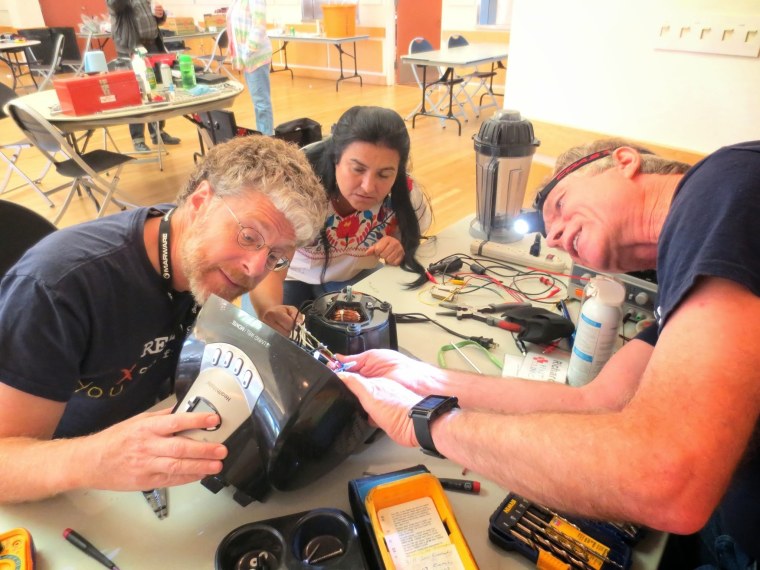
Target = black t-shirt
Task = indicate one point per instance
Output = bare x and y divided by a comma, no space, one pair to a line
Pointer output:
712,230
85,319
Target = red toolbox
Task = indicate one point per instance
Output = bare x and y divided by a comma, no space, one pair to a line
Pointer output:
88,95
153,58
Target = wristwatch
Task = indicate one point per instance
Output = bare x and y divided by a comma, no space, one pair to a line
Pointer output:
425,413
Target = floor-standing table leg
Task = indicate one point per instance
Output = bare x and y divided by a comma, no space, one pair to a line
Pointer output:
284,50
342,77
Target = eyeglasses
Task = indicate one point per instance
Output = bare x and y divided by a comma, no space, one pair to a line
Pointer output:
248,238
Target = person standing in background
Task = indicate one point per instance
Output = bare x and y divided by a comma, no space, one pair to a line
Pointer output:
134,24
251,51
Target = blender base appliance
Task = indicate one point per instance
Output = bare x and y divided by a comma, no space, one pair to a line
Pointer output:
349,322
504,149
286,419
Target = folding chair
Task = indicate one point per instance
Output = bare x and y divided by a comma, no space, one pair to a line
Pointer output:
7,94
85,169
171,45
420,45
43,68
215,127
484,80
72,56
20,229
217,55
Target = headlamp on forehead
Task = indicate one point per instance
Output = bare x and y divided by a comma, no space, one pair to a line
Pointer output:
537,223
529,221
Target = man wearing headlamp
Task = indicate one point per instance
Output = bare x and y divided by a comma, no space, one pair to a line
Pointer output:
666,434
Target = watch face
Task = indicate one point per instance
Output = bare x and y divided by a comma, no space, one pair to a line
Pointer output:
431,402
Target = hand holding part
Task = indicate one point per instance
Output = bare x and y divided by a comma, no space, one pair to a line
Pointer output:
419,377
142,452
387,403
389,249
282,318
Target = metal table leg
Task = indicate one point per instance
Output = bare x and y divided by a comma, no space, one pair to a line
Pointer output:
342,77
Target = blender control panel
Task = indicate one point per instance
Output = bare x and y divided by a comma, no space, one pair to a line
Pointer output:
229,385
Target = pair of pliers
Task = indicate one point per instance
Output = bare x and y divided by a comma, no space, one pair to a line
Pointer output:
483,314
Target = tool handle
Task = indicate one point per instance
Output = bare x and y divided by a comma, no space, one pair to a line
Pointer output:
506,325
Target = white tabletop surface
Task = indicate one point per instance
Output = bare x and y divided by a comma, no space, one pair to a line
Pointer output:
472,54
180,36
11,45
46,103
315,38
125,528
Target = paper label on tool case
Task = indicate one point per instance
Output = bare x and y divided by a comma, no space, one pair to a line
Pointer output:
416,538
580,544
536,366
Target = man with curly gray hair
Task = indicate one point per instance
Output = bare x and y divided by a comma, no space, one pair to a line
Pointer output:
93,317
264,187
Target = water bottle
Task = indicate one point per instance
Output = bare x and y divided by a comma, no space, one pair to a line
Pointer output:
166,75
151,77
597,330
138,66
187,71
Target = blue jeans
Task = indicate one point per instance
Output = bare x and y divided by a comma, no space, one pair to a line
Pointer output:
712,548
137,131
722,549
261,95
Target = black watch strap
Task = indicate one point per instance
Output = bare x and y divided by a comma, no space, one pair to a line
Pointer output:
424,437
424,414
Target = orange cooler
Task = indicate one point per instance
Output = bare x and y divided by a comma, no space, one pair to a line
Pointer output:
340,20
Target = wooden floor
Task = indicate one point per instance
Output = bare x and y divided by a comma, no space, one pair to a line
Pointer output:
442,162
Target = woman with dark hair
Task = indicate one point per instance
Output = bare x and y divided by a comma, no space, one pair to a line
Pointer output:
376,215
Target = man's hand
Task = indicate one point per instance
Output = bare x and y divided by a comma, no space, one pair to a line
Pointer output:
158,11
419,377
389,249
143,452
387,403
282,318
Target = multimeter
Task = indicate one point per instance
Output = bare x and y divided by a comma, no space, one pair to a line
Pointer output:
17,550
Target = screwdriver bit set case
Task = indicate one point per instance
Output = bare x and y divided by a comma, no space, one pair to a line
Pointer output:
551,540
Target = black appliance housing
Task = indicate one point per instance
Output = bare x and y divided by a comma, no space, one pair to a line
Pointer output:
286,418
349,322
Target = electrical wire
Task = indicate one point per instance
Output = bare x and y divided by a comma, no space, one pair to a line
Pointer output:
516,282
404,318
461,344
